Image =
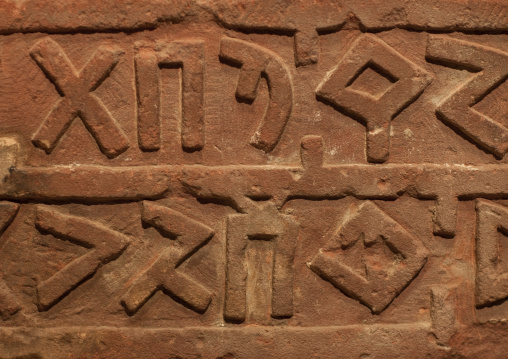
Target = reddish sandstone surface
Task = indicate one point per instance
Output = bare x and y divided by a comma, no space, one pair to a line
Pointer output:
253,179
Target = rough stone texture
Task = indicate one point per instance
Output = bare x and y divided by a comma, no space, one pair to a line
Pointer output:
253,179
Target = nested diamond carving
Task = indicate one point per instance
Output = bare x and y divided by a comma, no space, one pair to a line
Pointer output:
375,111
372,80
390,257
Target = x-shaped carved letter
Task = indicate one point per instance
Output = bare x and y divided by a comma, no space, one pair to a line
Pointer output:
76,89
163,273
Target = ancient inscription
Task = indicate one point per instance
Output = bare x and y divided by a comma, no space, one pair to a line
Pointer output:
304,21
262,223
442,313
163,272
490,69
491,275
103,243
390,257
406,81
245,179
9,304
78,100
189,56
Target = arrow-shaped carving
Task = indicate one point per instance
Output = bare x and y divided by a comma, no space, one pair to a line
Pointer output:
491,69
105,245
163,273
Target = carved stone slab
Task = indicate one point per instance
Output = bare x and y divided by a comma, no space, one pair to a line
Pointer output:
253,179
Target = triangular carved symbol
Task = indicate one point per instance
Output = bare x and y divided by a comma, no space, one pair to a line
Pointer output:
365,227
490,69
104,245
491,278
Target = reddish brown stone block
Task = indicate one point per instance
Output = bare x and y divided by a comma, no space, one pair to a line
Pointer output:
253,179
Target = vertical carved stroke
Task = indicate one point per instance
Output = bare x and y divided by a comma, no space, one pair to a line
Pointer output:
9,304
491,279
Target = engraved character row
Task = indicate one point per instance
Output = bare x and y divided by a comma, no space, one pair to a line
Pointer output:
367,224
408,81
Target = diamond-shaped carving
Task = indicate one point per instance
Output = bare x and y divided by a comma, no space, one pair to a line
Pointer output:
376,112
391,257
372,80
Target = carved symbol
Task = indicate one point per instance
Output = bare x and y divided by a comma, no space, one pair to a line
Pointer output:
264,223
8,211
396,259
491,277
491,70
189,55
256,61
9,304
76,89
163,273
407,82
443,316
105,245
303,19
